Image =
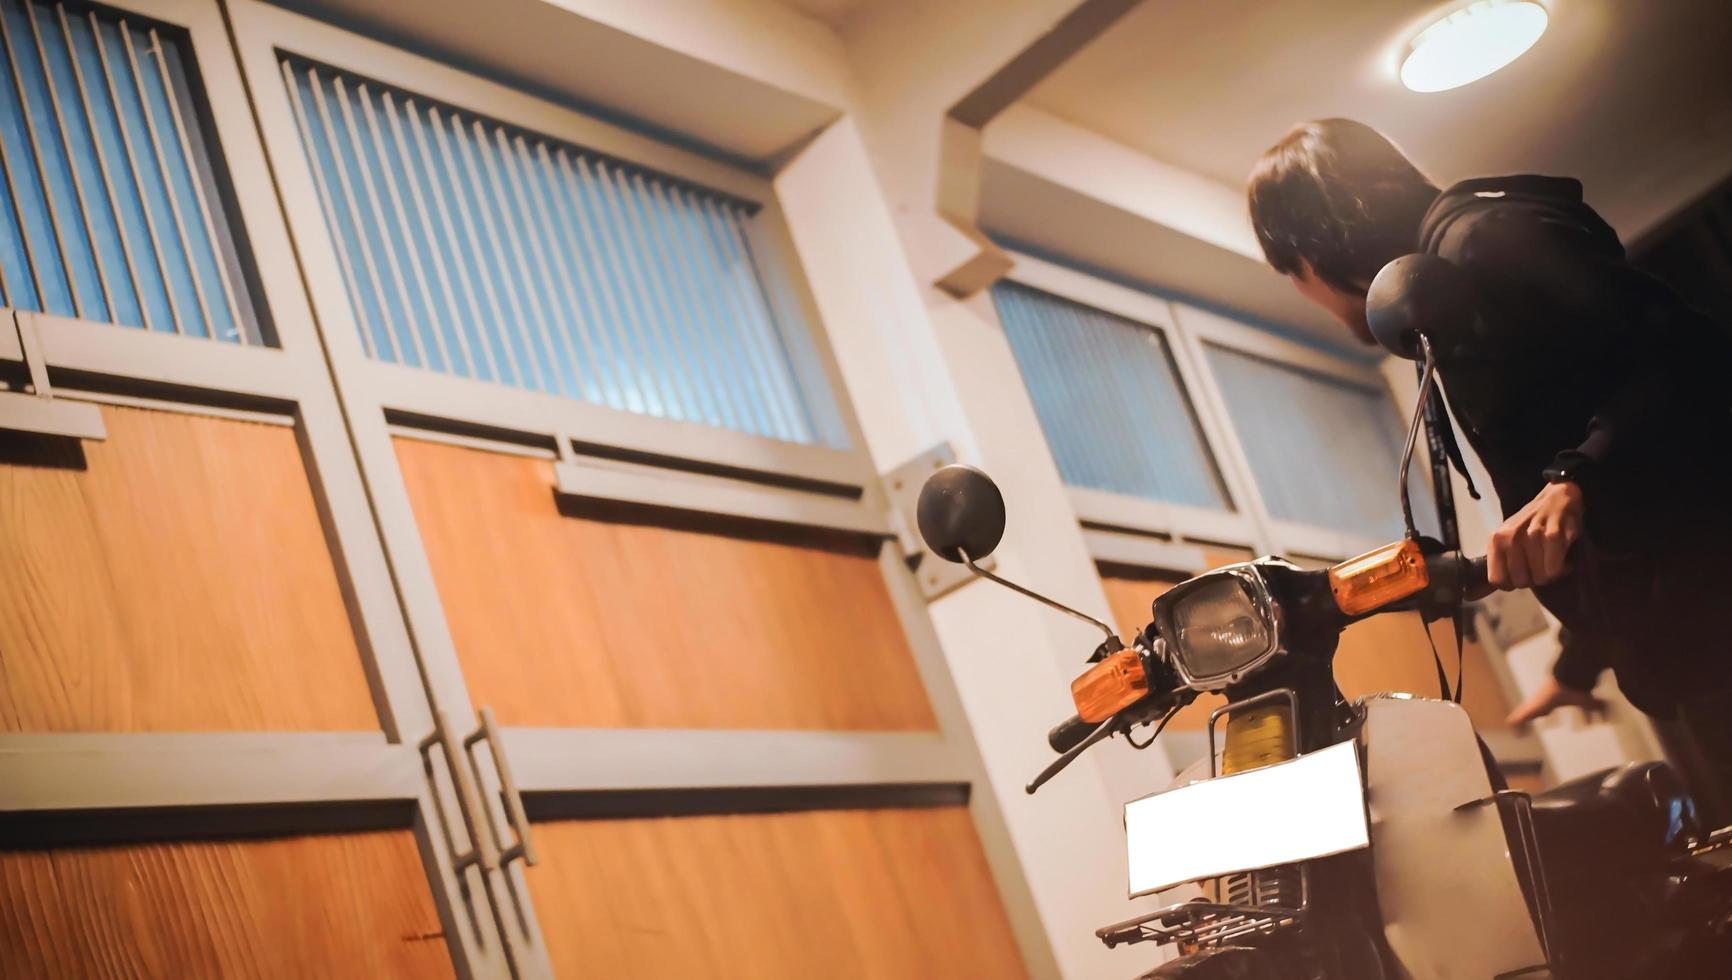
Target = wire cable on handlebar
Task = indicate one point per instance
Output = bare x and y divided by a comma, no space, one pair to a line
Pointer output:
1457,615
1427,379
1139,746
1437,661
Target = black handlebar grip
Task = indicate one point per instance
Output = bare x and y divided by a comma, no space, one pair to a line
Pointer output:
1068,733
1473,578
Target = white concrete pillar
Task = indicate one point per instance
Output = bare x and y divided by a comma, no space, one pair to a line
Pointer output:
922,367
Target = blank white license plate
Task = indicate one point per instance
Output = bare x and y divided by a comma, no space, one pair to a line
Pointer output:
1309,807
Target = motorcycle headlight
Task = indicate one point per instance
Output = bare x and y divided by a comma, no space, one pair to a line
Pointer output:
1218,626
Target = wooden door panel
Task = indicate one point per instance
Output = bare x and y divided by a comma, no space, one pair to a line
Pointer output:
1384,653
342,905
174,577
613,617
887,893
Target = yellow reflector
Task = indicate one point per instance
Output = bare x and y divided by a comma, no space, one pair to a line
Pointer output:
1258,737
1378,577
1112,684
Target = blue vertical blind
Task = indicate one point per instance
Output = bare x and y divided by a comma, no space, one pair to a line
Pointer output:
1110,400
477,249
1324,452
111,211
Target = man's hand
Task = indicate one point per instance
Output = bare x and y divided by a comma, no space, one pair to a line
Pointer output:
1550,697
1533,547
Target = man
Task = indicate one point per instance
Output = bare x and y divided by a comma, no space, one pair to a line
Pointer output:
1597,400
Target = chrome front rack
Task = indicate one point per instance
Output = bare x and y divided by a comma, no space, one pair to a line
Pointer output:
1200,923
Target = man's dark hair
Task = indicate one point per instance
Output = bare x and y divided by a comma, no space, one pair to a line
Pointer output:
1338,195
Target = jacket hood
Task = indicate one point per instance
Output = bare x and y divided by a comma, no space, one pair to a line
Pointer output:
1560,195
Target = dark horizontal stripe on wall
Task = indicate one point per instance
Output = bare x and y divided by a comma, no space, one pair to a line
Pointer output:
625,804
71,828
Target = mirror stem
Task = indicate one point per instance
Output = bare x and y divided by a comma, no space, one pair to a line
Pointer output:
1061,607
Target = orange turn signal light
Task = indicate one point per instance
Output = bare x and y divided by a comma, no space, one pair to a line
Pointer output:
1109,686
1378,577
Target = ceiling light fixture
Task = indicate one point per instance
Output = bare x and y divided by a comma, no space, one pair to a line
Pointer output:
1471,43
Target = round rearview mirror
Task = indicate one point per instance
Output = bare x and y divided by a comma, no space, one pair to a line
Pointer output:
961,511
1419,294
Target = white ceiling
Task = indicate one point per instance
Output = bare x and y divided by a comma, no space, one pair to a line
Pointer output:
833,12
1028,211
548,50
1632,96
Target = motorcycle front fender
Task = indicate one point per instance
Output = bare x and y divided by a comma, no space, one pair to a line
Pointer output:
1448,889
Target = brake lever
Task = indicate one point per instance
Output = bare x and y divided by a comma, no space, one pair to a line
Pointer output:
1102,731
1123,721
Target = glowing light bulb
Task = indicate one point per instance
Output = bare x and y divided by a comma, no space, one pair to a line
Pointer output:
1471,43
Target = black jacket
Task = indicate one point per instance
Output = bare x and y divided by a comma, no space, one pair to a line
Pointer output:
1586,361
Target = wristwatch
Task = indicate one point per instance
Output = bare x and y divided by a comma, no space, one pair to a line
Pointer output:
1568,467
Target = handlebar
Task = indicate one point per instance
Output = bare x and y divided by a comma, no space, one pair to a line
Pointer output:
1073,731
1476,583
1452,576
1067,734
1469,574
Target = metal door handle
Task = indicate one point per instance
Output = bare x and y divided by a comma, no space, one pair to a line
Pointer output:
482,850
525,846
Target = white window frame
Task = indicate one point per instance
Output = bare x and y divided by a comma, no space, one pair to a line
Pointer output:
1202,328
262,31
1189,331
1108,509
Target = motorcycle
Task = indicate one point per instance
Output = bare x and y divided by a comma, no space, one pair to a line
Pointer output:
1372,838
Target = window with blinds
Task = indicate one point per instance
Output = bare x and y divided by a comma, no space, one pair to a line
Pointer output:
1324,451
1110,400
113,211
473,248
